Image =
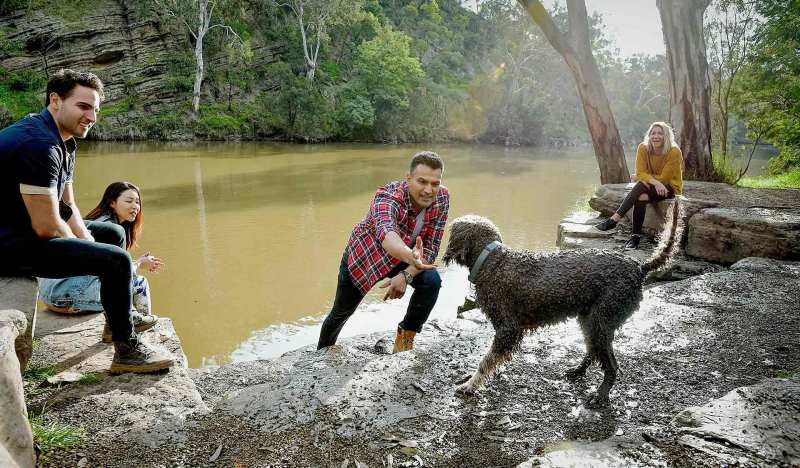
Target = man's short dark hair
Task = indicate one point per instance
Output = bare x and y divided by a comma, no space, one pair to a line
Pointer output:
427,158
65,80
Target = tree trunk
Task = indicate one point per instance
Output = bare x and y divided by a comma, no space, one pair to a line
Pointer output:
577,52
198,72
689,86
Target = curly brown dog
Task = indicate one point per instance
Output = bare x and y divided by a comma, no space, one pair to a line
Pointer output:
520,291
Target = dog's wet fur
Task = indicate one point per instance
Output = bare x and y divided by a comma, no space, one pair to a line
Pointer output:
521,291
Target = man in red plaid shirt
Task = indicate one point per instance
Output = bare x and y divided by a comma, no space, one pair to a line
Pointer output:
398,240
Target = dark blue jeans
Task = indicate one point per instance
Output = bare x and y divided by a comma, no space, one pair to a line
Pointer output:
61,258
426,290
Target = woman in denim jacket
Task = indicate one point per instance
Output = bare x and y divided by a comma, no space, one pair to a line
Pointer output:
121,204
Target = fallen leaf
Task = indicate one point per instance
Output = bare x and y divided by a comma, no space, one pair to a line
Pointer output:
216,454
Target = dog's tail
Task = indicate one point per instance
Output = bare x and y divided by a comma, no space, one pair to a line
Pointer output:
670,239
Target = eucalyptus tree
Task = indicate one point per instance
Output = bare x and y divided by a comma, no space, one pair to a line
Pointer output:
730,33
689,85
199,19
314,18
575,47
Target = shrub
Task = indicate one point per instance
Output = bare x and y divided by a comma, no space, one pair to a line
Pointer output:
26,80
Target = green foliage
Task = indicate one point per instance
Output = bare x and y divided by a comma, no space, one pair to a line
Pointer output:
38,374
724,169
770,83
8,46
790,179
49,436
7,6
20,94
90,379
216,124
786,374
392,71
180,73
386,69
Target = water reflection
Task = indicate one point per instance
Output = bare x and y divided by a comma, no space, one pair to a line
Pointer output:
252,233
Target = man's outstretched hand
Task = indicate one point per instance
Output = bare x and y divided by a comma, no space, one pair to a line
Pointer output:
418,251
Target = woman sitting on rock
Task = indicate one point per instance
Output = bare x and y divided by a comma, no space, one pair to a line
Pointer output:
121,204
659,175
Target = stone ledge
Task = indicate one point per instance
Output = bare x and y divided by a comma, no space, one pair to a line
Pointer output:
16,440
20,293
725,235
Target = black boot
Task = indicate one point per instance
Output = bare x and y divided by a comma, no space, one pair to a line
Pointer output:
633,242
606,225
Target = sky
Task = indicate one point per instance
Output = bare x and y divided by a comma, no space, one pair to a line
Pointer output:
633,25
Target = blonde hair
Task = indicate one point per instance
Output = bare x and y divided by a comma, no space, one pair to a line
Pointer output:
669,138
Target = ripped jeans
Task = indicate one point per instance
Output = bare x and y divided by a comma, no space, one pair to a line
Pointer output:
82,294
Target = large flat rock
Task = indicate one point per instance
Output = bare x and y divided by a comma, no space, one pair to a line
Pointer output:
701,195
726,235
761,421
578,232
145,409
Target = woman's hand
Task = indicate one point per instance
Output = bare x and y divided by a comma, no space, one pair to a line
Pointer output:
153,264
660,188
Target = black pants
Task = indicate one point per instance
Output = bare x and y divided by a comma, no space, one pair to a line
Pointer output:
61,258
640,206
426,290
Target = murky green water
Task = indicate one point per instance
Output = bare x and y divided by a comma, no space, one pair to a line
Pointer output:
252,233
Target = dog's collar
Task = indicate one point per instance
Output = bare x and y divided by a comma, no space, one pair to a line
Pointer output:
476,268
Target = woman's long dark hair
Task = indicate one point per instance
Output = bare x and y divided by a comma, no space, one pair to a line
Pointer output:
113,191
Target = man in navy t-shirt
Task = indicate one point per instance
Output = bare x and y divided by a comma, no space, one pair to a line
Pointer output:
41,230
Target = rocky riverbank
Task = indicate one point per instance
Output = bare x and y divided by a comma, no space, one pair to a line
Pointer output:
710,377
690,345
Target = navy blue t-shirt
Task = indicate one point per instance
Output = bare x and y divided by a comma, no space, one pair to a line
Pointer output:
32,156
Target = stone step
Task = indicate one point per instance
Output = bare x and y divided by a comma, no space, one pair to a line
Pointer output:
71,342
151,409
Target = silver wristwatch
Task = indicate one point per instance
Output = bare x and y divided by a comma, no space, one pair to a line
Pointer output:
408,276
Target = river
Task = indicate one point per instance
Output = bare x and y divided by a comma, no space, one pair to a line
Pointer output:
252,233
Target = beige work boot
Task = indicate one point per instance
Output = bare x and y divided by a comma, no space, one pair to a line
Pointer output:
404,340
140,323
136,356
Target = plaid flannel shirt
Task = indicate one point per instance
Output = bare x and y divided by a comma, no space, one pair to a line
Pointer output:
391,210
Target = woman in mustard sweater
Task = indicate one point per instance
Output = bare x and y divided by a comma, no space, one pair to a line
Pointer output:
659,175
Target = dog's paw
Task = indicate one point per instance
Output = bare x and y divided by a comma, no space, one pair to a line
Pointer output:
597,401
465,390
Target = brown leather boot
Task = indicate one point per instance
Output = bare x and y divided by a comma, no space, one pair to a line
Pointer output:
404,340
135,356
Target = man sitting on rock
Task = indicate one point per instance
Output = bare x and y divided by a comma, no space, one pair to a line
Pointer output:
398,240
41,230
